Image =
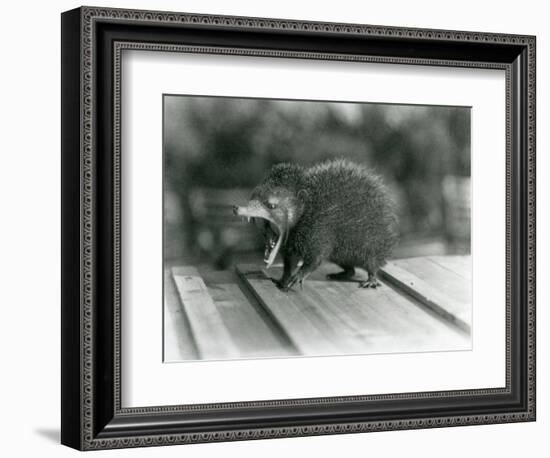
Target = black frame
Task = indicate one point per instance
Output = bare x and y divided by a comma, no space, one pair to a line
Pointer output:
92,42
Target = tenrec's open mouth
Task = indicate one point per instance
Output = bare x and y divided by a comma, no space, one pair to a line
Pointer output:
273,237
273,241
274,234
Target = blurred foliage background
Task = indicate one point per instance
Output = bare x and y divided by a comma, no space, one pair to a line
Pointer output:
217,149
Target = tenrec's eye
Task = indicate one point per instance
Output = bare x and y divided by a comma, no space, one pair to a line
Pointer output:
271,205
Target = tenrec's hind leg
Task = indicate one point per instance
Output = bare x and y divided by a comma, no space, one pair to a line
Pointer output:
372,269
371,282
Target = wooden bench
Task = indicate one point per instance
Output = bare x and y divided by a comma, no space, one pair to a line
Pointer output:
423,304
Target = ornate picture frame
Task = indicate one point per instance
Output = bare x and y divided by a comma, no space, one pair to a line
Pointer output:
93,416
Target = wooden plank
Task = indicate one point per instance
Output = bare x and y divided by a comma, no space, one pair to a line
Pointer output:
442,291
397,323
211,336
329,317
384,320
294,313
178,343
248,327
461,265
442,278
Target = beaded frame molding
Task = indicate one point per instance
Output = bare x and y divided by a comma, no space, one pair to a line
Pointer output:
92,43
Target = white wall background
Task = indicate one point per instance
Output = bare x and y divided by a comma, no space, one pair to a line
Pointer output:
30,214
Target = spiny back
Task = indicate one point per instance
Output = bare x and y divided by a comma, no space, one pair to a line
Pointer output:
345,183
349,206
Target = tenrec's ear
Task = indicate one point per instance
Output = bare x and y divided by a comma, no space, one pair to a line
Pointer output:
302,195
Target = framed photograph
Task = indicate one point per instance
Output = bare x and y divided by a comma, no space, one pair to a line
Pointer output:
276,228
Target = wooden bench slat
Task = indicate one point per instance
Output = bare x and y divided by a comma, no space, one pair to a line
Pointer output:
178,343
211,336
383,320
397,323
446,279
248,328
442,291
290,312
461,265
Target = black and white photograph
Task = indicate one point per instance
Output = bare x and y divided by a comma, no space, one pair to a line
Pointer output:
301,228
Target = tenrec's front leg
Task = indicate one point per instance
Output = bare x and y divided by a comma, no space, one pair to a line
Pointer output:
302,273
290,265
